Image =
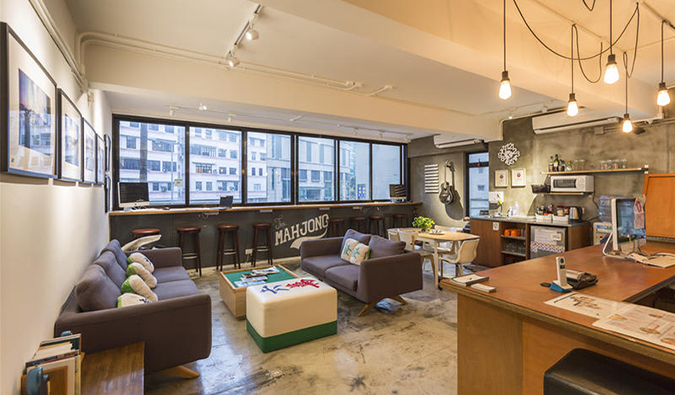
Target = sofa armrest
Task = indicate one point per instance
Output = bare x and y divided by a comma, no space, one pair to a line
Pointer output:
317,247
385,277
163,257
175,331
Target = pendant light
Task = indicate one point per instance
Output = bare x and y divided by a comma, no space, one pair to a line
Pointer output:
626,124
572,107
611,70
505,84
663,98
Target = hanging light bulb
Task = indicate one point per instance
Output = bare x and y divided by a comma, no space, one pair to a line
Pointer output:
611,70
663,98
572,107
505,86
626,124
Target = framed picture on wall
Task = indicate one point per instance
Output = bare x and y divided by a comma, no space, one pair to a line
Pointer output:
518,177
70,135
28,109
501,178
108,153
88,153
100,160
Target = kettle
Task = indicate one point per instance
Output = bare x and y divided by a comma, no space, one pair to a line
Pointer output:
575,213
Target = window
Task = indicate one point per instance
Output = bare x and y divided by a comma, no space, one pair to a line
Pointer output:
354,170
302,175
158,163
252,171
385,175
478,183
198,185
308,190
209,165
253,154
316,176
277,148
328,176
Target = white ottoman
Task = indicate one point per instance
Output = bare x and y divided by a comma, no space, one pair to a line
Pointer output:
290,312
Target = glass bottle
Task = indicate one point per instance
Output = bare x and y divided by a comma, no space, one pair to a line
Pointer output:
624,163
550,164
556,163
561,166
569,166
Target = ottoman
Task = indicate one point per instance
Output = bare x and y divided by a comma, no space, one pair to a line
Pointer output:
290,312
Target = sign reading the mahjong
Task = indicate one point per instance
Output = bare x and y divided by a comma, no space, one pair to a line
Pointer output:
314,228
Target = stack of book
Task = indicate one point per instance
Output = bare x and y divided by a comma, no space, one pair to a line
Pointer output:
60,359
255,277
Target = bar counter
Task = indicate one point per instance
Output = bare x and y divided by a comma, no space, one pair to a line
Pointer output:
291,224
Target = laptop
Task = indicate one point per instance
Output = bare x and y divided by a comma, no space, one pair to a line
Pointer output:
225,202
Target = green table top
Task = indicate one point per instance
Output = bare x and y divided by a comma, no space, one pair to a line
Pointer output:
271,278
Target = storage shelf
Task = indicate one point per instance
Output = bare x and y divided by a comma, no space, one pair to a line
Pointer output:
555,173
563,193
520,254
514,237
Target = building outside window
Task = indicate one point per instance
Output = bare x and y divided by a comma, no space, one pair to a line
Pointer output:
312,162
153,153
478,183
385,175
277,150
354,170
209,164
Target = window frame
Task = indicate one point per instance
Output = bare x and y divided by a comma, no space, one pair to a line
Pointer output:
243,157
467,185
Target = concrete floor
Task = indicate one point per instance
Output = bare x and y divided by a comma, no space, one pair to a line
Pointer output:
393,350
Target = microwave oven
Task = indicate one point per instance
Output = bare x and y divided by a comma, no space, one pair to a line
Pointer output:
571,183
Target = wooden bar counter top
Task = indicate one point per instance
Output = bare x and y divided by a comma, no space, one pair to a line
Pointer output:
508,339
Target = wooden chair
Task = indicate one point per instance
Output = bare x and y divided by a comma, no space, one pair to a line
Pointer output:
225,231
196,255
266,229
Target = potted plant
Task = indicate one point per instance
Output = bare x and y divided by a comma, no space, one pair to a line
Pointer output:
423,223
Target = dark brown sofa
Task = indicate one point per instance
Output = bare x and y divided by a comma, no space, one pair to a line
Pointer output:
176,329
389,272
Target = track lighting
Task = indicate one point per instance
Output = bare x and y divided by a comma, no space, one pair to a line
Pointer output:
572,107
252,34
232,60
172,110
611,70
626,124
202,107
505,84
663,98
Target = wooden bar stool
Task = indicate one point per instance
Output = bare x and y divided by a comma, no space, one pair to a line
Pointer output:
225,231
358,224
266,229
194,232
378,222
399,221
144,232
336,227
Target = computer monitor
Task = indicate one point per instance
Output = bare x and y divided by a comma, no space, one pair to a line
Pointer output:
397,192
133,194
628,229
226,201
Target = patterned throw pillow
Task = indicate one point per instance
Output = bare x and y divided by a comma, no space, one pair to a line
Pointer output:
347,250
360,254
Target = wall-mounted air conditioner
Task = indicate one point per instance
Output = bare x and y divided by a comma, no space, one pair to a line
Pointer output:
560,121
443,141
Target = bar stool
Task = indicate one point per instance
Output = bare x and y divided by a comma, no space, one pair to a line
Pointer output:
336,227
225,230
266,228
378,222
399,221
136,233
194,232
358,224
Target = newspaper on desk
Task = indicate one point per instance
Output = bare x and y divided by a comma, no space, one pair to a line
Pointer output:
645,323
591,306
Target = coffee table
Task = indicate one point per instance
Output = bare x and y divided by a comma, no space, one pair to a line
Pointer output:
235,297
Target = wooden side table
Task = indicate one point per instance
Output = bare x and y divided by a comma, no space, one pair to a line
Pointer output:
117,371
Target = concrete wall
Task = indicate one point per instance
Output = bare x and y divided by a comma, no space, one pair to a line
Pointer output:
49,230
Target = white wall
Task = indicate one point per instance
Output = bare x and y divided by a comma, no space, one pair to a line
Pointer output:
49,230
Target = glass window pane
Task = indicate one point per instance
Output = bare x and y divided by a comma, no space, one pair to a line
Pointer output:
354,170
386,169
479,177
154,153
271,182
209,162
479,157
315,169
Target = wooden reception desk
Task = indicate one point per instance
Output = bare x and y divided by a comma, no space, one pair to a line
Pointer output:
509,338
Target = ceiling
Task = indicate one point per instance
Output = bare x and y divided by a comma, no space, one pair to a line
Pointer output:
292,40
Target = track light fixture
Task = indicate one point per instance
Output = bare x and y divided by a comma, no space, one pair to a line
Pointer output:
252,34
505,84
232,60
663,98
202,107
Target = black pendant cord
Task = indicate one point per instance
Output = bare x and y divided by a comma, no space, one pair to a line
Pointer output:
581,65
572,51
610,28
590,8
662,23
504,35
625,56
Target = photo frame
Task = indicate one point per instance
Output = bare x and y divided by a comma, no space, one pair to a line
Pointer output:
70,135
100,160
28,107
108,153
88,153
501,178
518,178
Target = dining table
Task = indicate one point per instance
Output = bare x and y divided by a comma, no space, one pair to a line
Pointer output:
436,239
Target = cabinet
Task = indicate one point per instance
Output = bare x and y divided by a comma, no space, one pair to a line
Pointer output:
489,252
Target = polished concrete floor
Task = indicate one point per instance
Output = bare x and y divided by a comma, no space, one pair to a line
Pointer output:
393,350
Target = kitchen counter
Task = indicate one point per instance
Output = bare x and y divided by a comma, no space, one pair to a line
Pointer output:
528,220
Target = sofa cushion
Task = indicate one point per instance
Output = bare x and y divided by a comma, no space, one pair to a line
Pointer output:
381,247
358,236
361,253
346,276
318,265
109,264
115,248
348,249
175,289
96,291
173,273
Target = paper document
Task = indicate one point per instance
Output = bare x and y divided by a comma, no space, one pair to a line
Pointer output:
591,306
645,323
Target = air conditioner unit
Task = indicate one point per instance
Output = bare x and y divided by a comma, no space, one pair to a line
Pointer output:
442,141
560,121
